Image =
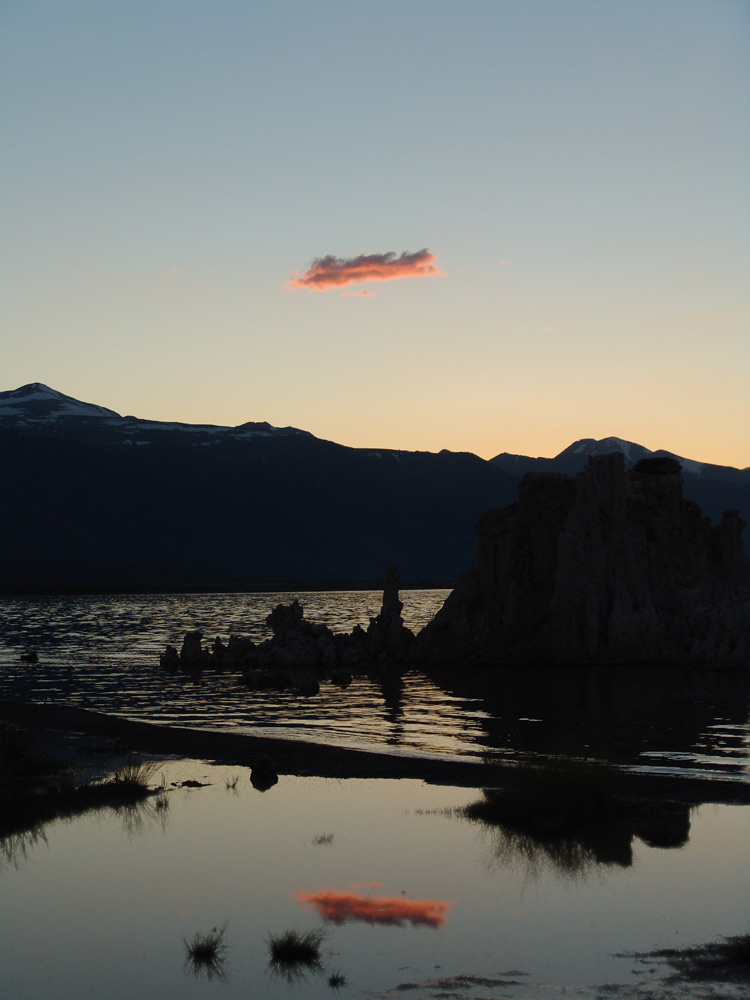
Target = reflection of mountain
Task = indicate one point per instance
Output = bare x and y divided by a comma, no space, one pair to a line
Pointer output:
339,907
627,715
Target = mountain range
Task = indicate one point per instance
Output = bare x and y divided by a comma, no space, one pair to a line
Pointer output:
91,500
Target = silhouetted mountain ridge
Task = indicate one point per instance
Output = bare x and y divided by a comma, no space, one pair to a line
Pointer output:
94,499
573,460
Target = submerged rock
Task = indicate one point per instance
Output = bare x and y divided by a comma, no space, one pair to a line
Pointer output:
170,660
607,567
192,655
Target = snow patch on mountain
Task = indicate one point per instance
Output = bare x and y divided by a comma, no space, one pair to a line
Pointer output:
633,452
36,404
590,446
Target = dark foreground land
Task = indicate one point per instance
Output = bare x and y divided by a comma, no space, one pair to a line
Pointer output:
74,736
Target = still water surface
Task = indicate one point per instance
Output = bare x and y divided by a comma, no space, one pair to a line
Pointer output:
102,652
414,900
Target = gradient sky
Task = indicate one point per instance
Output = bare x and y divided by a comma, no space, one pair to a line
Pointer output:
577,171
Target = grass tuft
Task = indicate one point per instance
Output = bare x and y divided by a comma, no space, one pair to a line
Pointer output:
294,953
125,792
136,776
206,953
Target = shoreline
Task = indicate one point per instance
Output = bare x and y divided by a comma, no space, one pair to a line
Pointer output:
70,735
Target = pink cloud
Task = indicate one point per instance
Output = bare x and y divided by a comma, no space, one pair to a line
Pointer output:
333,272
339,907
364,294
504,263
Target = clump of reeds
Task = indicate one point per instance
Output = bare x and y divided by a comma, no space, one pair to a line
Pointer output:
337,980
294,953
124,791
136,776
205,954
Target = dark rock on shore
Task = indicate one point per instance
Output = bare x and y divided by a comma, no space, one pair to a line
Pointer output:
611,566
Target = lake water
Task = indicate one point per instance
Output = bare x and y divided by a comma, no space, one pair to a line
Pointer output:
102,652
414,901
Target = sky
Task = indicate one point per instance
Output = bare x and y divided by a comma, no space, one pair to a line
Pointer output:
486,226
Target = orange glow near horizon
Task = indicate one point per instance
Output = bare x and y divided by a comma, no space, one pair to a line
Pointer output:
333,272
339,907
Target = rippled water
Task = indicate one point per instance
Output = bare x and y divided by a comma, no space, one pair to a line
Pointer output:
102,652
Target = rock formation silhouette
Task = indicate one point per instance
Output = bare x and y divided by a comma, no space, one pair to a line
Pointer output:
611,566
300,651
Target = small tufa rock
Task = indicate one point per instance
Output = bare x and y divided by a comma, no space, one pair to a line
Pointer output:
192,654
170,660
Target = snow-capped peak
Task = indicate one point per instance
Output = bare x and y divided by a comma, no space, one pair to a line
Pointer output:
633,452
38,403
590,446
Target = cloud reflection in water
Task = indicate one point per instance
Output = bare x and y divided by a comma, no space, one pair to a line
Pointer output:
339,907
